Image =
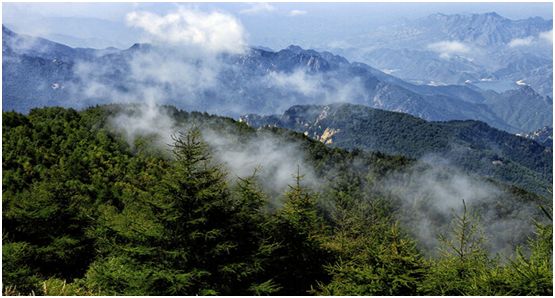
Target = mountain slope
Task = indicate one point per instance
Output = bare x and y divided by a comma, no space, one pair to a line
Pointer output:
543,136
522,107
485,49
257,81
472,145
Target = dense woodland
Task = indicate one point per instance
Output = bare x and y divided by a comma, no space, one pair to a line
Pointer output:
86,213
469,144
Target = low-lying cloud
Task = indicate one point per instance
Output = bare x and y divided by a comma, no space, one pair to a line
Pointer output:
275,160
310,87
446,48
547,36
519,42
299,80
433,190
145,120
542,37
214,31
182,63
296,12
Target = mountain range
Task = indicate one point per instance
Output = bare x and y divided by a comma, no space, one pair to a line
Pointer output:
472,145
39,72
487,50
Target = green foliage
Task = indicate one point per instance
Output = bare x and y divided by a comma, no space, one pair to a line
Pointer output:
85,213
533,275
58,287
298,261
471,145
16,267
466,269
375,257
388,267
463,259
188,235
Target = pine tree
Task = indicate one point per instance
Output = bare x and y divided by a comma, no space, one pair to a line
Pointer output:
464,265
189,235
375,257
532,275
300,230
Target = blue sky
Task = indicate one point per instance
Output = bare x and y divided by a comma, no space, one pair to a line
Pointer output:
275,25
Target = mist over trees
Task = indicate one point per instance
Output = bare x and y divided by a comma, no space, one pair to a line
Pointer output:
89,211
132,196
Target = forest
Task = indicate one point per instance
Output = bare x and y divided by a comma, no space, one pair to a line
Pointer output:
87,212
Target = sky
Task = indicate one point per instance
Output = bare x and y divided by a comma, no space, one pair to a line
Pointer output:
273,25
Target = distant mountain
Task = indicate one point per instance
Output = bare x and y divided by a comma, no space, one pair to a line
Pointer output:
486,49
471,145
522,107
486,29
543,136
39,72
24,45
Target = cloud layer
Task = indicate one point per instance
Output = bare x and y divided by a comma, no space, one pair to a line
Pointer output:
256,8
547,36
214,32
433,190
446,48
542,37
518,42
296,12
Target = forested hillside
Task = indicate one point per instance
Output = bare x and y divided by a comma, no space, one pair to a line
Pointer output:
95,205
471,145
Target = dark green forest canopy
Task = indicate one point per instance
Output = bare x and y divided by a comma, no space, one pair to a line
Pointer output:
471,145
85,212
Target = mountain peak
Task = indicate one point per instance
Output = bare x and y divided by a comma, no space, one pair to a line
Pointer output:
295,49
488,15
140,46
526,89
493,14
6,31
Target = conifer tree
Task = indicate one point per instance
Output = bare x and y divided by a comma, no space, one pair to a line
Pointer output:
531,273
464,265
188,235
300,230
375,257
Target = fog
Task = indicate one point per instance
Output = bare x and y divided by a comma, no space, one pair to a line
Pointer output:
432,192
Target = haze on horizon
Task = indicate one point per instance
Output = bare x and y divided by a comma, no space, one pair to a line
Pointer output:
274,25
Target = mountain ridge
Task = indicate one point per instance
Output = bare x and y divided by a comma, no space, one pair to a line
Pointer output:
288,76
476,46
472,145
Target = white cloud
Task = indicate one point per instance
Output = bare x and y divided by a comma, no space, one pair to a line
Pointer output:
446,49
432,190
275,159
299,81
521,42
296,12
521,83
256,8
147,119
213,32
547,36
327,89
